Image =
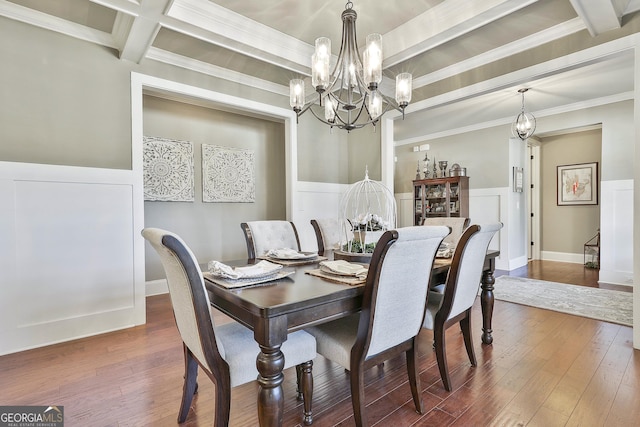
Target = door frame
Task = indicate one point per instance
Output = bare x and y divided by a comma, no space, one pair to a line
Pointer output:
533,200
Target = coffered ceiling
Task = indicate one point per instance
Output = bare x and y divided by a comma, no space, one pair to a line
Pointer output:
265,43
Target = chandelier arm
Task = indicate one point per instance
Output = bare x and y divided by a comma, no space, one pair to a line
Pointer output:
390,102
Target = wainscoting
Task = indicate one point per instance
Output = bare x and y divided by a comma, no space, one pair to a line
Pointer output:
71,256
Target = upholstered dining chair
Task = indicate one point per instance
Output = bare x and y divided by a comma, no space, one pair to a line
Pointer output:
457,224
392,313
262,236
330,232
451,303
226,353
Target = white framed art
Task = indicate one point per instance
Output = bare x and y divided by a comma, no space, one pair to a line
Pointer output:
228,174
167,170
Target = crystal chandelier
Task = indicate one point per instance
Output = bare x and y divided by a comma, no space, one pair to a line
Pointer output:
349,94
525,124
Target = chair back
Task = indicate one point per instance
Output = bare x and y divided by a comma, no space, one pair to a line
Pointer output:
262,236
189,298
330,232
465,274
457,225
396,288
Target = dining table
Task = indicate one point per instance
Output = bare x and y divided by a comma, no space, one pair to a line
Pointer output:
274,309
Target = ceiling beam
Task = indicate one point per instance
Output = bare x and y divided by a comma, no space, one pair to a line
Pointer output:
144,29
600,16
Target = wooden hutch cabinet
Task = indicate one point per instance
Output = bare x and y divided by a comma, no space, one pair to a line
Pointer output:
440,197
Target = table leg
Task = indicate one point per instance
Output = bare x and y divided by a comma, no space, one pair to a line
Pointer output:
486,302
270,362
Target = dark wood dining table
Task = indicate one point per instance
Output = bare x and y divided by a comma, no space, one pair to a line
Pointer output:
297,302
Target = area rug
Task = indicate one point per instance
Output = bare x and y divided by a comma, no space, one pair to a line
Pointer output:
601,304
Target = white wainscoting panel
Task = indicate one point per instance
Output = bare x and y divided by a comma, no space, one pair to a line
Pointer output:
404,204
616,232
490,205
315,200
71,264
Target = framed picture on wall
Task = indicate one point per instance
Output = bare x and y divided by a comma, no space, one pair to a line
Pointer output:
578,184
518,179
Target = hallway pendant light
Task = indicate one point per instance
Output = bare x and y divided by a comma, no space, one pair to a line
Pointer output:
348,96
525,124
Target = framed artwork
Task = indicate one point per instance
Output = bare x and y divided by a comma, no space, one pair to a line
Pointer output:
167,169
578,184
228,174
518,179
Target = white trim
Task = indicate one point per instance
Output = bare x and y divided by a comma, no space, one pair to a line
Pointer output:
562,257
215,24
59,25
213,70
156,287
141,83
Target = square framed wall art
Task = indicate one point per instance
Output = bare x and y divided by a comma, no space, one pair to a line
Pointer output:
578,184
167,170
228,174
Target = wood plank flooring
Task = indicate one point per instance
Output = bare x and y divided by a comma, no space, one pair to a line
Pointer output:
543,369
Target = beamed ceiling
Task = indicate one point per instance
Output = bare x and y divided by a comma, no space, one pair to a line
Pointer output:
457,50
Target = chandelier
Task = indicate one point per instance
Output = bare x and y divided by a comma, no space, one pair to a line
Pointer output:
349,94
525,123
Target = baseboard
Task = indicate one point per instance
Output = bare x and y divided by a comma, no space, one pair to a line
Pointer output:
518,262
156,287
611,277
562,257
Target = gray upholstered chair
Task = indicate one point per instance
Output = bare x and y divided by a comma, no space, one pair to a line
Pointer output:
226,353
393,307
330,232
457,224
262,236
451,303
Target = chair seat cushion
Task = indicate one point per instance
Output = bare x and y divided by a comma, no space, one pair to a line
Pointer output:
335,339
241,350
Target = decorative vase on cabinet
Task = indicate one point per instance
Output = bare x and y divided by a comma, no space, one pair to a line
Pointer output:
440,197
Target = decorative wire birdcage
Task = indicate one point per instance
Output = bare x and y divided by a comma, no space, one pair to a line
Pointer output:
369,209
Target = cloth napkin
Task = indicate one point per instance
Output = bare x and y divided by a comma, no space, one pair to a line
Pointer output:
445,250
344,268
286,253
261,269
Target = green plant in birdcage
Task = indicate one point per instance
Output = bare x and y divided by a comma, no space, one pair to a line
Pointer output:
370,209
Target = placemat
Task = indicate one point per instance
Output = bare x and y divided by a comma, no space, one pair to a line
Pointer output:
242,283
347,280
439,262
292,262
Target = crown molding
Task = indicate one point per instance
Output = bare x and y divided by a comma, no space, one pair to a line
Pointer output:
53,23
130,7
214,71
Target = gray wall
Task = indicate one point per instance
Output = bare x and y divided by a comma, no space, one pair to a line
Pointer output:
62,101
68,102
566,228
485,154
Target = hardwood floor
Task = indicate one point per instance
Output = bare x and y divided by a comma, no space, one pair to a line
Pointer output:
543,369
